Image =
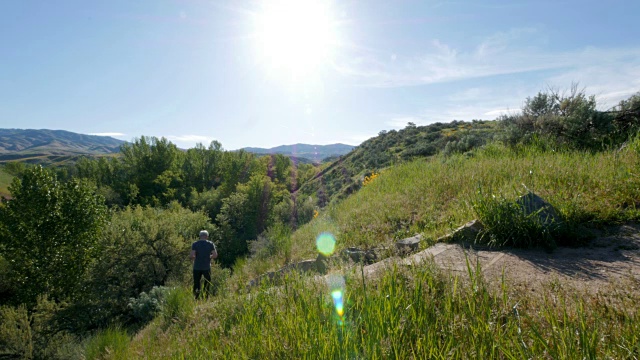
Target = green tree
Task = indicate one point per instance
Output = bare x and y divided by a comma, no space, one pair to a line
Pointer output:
142,247
150,169
50,234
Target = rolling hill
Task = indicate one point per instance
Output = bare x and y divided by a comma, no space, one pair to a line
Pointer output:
52,146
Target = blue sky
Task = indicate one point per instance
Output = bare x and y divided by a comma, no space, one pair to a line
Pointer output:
195,71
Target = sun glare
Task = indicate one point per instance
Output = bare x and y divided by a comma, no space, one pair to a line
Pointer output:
297,36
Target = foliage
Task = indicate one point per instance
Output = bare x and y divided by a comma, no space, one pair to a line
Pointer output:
51,234
294,211
142,247
568,119
147,305
179,306
111,343
507,223
627,115
276,240
245,214
343,177
35,335
15,332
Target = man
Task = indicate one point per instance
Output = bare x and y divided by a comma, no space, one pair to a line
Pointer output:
202,251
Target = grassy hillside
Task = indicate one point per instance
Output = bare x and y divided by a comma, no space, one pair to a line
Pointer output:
433,196
52,147
344,176
420,312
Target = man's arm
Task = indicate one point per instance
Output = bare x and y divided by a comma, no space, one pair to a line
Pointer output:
192,256
214,253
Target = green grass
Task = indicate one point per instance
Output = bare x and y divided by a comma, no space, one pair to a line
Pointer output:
421,312
112,343
407,313
435,196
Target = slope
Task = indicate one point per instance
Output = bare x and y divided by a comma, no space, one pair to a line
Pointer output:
52,146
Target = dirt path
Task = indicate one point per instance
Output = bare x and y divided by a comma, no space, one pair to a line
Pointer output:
612,258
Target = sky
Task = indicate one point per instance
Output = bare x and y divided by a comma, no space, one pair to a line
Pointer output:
279,72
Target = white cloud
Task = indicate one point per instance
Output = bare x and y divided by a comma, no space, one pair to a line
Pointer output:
108,134
606,70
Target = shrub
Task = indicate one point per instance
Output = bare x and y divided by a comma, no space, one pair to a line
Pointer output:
15,332
276,240
146,306
507,223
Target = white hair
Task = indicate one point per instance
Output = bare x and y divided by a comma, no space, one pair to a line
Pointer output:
204,233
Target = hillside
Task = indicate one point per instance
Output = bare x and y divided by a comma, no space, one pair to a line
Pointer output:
344,176
420,311
52,146
315,153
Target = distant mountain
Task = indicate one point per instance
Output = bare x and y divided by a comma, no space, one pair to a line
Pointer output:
315,153
52,146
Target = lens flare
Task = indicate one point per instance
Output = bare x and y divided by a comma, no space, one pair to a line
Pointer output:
326,243
337,300
336,287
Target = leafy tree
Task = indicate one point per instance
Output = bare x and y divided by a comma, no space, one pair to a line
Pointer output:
150,167
202,167
141,247
50,234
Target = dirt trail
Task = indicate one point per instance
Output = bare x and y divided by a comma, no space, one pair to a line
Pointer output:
612,258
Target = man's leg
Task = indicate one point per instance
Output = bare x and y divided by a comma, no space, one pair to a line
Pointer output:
207,281
196,283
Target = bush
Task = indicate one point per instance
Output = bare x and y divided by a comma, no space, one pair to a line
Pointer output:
276,240
146,306
569,119
15,333
507,223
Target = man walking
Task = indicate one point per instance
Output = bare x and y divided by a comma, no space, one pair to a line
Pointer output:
202,251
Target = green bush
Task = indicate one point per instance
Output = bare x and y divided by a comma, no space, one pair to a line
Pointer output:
147,305
569,119
15,333
275,240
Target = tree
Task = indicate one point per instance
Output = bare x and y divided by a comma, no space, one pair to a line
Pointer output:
49,231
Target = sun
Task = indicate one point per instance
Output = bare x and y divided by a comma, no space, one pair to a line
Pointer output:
297,36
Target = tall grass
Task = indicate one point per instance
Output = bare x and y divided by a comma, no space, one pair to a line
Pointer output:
420,312
112,344
407,313
435,196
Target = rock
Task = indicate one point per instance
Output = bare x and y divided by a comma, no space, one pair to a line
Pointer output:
467,232
357,255
305,266
534,204
409,244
